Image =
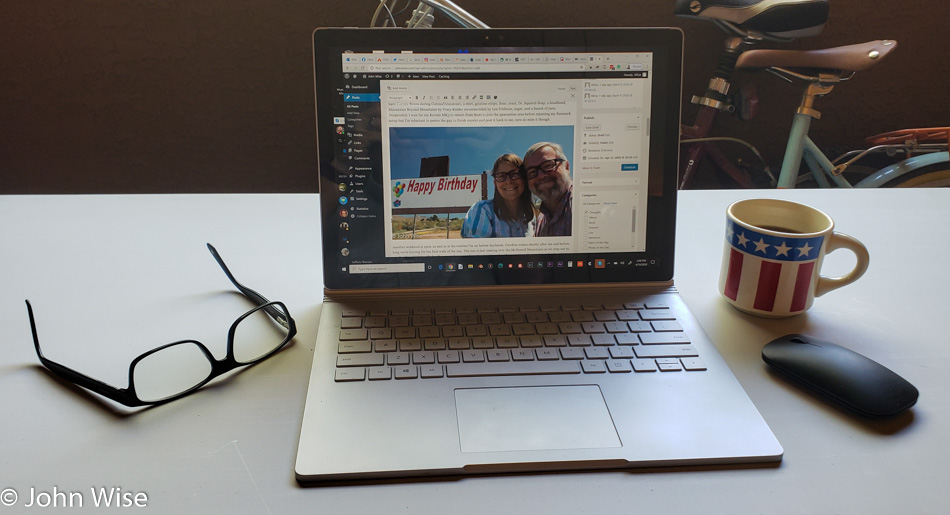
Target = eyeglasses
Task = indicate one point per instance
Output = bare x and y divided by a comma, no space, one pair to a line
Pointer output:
177,369
546,166
504,176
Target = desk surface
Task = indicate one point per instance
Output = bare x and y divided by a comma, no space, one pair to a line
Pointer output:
112,276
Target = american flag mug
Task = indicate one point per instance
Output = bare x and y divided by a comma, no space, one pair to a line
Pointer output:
772,257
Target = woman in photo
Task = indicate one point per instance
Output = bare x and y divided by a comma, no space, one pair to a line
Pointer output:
510,213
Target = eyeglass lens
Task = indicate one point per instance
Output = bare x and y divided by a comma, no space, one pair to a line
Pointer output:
175,369
547,167
504,176
170,371
258,335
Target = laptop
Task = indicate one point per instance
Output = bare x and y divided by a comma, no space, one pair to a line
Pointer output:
556,340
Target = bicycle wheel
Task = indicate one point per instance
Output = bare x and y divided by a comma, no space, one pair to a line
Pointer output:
935,175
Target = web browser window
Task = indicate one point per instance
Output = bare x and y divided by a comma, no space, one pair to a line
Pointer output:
416,134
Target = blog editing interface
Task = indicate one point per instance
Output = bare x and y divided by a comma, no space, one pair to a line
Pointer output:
417,136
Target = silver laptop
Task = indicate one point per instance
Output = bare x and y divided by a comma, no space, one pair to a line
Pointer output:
498,213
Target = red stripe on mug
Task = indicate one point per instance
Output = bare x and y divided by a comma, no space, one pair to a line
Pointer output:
731,289
802,285
768,286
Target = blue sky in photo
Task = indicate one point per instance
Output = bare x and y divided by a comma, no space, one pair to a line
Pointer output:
471,150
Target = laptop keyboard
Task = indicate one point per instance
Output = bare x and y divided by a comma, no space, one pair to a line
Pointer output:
503,341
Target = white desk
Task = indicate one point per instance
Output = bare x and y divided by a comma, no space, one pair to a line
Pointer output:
112,276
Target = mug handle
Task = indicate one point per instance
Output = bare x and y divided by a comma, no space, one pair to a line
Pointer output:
843,241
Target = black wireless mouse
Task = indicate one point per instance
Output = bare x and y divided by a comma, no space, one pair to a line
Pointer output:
845,376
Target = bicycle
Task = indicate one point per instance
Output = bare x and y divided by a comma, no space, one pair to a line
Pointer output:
753,21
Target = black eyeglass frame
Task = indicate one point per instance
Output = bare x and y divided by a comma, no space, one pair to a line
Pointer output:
531,173
514,174
128,397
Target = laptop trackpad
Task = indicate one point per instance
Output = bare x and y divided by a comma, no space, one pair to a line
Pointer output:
534,418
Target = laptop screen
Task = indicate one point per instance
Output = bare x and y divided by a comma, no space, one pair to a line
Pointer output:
453,157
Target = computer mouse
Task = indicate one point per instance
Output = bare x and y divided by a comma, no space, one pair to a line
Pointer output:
840,374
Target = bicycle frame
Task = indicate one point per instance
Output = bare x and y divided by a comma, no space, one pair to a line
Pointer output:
698,151
800,147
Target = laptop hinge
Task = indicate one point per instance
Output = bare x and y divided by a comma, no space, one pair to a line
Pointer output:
495,291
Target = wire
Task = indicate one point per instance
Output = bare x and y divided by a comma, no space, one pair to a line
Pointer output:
742,142
382,5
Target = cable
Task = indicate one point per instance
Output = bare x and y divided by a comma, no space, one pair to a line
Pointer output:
382,5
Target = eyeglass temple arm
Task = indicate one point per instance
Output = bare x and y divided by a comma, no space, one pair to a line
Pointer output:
119,395
257,298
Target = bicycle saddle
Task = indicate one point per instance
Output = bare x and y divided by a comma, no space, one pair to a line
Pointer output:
782,18
849,58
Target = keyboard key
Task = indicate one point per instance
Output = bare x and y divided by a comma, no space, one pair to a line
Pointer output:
666,326
627,315
640,327
594,367
506,342
405,332
616,327
483,342
407,372
548,354
665,351
644,365
619,365
693,364
473,356
398,358
448,356
423,358
382,333
663,338
460,343
385,345
498,355
621,352
429,332
351,323
656,314
594,327
349,374
514,368
359,360
522,355
431,371
356,346
570,328
597,352
453,331
627,339
353,334
572,353
579,340
531,341
434,344
499,330
380,373
410,345
476,330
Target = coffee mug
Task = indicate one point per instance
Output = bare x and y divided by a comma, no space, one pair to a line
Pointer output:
772,257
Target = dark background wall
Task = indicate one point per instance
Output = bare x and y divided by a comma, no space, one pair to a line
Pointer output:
114,96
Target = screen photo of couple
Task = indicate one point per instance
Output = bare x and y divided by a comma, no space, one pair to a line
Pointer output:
525,176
